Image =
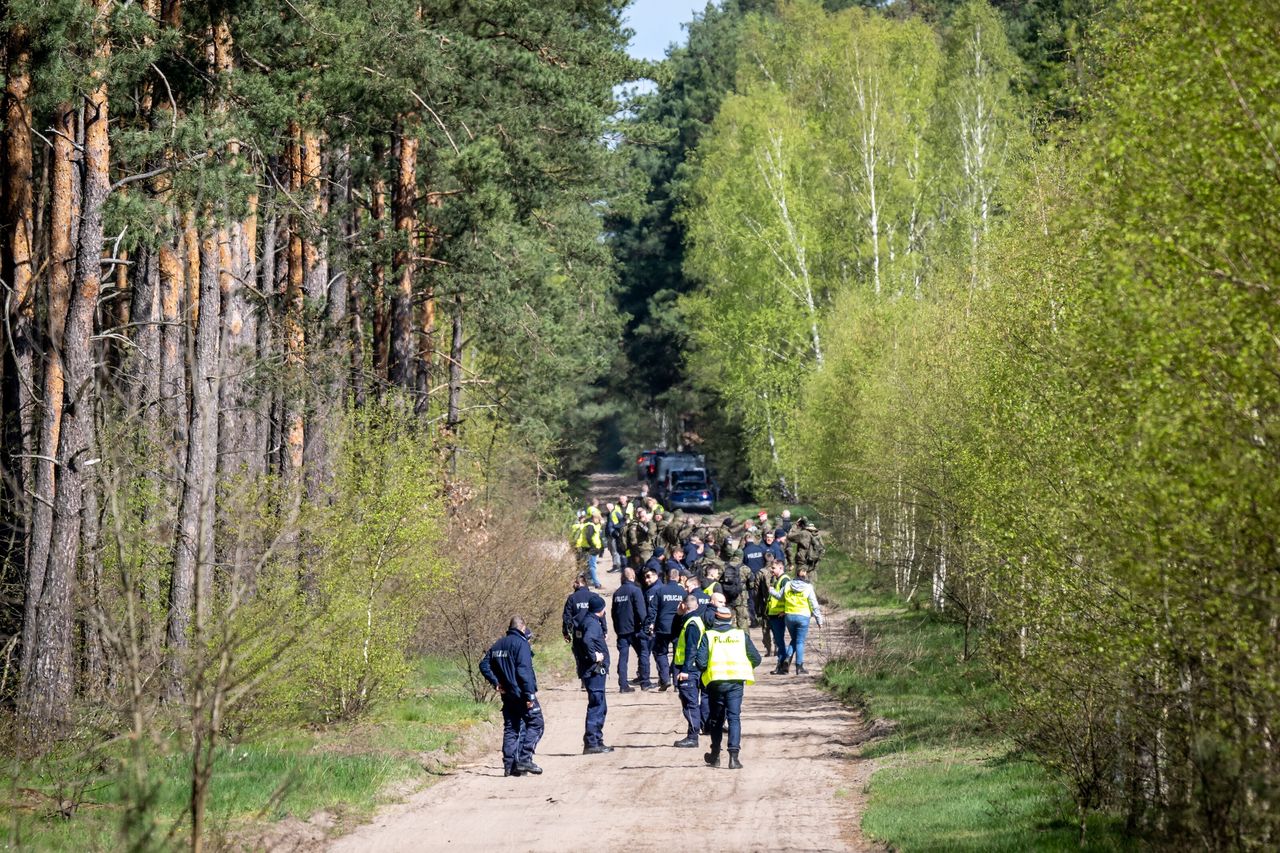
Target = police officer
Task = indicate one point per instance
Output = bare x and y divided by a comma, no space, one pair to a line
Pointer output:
688,676
674,561
629,613
575,605
667,601
753,554
655,562
727,658
652,587
592,654
508,666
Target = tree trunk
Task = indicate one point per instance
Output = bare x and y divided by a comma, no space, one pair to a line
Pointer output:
381,339
18,267
403,352
294,337
62,240
190,586
320,369
47,672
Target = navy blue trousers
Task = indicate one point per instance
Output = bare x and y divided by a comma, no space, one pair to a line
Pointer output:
626,643
691,699
596,710
662,654
726,706
522,728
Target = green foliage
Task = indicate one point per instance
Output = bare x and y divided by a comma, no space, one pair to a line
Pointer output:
375,564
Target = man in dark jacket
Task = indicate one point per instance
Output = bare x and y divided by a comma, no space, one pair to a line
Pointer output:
651,587
727,658
655,562
592,654
575,605
629,613
685,666
667,601
508,666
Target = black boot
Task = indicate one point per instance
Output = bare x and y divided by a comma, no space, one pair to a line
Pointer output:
734,763
687,743
712,759
800,670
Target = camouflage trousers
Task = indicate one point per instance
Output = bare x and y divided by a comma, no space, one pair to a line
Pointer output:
741,616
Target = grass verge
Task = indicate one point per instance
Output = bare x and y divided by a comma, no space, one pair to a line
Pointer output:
946,778
346,770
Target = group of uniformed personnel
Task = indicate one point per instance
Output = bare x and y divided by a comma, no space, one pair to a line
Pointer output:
689,593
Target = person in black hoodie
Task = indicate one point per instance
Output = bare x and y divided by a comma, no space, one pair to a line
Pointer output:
592,654
508,666
629,613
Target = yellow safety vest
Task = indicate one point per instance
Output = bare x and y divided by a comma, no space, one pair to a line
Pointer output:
579,534
710,588
727,657
615,516
681,650
794,603
592,539
775,606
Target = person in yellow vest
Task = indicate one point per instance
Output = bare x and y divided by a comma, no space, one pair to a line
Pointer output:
688,676
588,541
727,658
775,610
799,605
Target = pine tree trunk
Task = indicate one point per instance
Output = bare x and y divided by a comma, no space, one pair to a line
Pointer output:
18,268
381,338
47,672
403,352
64,214
190,584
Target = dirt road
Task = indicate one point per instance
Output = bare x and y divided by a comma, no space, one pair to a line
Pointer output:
800,789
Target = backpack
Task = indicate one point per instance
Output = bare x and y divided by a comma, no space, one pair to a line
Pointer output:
731,583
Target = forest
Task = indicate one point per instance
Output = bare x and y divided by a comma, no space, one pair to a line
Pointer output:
312,310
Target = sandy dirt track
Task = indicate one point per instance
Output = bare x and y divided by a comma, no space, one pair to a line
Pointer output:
800,789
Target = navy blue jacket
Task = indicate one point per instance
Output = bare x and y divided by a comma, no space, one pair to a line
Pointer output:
783,529
592,641
629,609
574,605
655,563
776,550
673,563
693,553
753,654
667,600
692,641
753,556
509,664
651,605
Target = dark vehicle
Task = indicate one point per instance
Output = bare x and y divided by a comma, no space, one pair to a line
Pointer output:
689,488
668,461
647,464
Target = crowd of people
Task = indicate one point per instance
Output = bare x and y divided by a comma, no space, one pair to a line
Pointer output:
691,593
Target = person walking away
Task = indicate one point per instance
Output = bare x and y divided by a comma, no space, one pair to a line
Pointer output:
760,598
776,611
799,540
784,524
817,548
668,599
508,666
688,676
734,584
800,604
629,613
728,659
575,605
592,654
614,520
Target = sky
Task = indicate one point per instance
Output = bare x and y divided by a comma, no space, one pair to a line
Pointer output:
657,24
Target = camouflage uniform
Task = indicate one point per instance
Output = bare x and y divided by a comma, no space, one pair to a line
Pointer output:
799,542
741,605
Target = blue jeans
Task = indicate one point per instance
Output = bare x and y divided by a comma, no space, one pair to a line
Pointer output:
797,630
596,710
691,699
626,643
778,626
522,728
726,706
591,569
